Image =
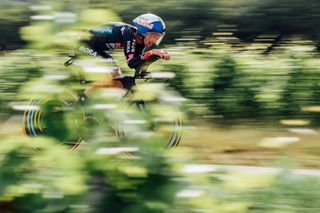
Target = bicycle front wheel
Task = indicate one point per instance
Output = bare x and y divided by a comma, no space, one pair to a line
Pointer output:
155,118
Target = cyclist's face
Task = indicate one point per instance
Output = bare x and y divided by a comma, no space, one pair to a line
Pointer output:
151,39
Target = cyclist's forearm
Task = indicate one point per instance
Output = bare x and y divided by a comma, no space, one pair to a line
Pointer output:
135,62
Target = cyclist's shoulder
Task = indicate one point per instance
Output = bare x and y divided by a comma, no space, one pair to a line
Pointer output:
108,27
124,28
102,29
115,31
122,24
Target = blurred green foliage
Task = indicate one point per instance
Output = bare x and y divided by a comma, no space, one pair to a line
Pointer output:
232,59
91,180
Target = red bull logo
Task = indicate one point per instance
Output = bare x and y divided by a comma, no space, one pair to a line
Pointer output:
144,23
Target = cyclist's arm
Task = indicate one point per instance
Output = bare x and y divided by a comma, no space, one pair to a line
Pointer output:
135,60
160,53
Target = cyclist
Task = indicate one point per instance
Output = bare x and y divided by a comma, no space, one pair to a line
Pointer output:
137,40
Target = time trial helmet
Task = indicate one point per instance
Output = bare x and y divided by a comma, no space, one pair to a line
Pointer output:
149,22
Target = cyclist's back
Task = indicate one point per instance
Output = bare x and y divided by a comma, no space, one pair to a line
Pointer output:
102,40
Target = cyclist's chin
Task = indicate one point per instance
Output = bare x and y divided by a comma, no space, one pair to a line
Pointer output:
148,44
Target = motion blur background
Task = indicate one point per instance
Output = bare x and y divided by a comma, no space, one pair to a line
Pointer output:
248,72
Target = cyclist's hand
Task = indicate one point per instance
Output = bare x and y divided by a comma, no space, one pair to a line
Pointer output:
166,56
161,53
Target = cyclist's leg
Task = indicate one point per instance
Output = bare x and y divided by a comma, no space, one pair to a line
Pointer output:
107,81
91,61
109,62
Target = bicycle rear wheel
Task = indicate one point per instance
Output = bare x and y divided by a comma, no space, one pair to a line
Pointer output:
55,117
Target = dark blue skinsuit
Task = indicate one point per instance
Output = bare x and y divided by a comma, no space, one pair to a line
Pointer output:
104,39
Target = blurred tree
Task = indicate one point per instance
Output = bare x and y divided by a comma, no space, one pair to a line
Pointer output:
232,95
13,74
301,89
287,194
145,185
13,15
281,18
38,181
178,82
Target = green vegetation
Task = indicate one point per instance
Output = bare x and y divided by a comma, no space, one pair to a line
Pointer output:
237,63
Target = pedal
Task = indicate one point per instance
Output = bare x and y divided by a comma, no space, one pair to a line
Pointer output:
71,60
68,62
